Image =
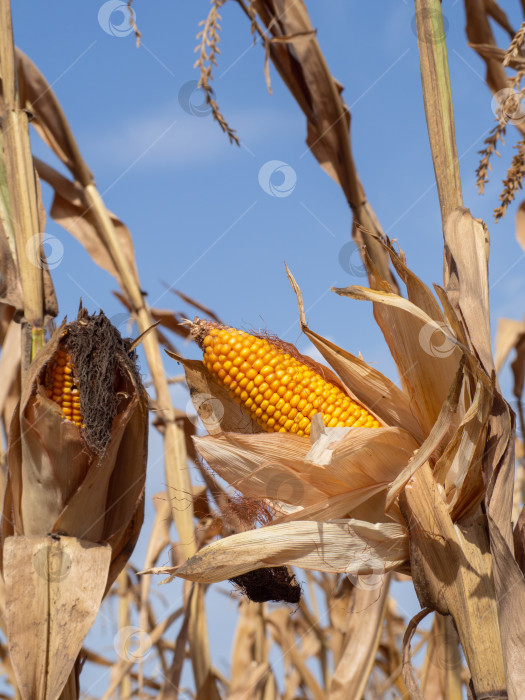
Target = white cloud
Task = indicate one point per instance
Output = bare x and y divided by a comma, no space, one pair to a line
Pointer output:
175,139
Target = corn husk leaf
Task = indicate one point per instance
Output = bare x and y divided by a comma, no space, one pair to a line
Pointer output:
358,456
268,466
78,488
217,410
343,468
348,546
45,577
438,433
380,396
467,241
459,469
426,374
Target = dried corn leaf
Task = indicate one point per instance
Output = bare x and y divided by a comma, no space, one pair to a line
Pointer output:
347,546
295,52
193,302
71,210
467,243
362,637
45,577
498,15
441,673
479,32
520,223
37,96
252,682
244,643
508,335
510,589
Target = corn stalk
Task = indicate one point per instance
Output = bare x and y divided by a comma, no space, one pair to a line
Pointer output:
451,565
22,193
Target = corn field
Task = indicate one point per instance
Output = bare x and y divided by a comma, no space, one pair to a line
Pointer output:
223,475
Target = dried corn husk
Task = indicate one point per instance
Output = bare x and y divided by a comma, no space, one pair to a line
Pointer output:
75,500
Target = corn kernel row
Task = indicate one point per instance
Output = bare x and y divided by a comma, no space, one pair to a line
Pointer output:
282,393
61,386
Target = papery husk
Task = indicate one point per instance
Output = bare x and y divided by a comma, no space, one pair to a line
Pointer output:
425,377
57,483
217,410
84,487
50,606
347,546
342,469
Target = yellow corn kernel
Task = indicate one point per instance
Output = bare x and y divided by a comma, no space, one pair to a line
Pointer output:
282,392
61,386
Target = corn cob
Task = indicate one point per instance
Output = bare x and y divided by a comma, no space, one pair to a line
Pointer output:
281,392
62,387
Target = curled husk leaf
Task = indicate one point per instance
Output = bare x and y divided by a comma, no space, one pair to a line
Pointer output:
82,481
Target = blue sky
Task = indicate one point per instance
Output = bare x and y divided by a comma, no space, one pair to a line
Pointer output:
200,219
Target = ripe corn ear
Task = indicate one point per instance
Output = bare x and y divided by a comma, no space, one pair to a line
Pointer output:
62,386
282,393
